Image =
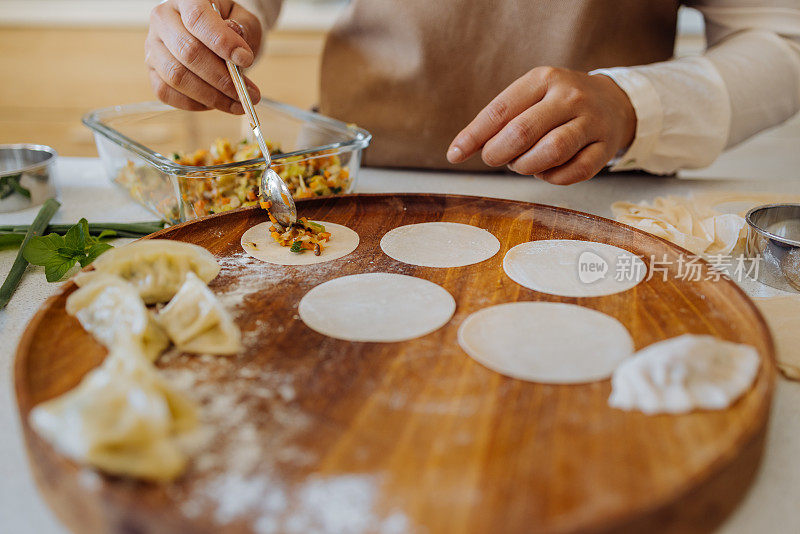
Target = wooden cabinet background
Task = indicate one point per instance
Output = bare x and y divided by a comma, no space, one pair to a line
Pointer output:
52,76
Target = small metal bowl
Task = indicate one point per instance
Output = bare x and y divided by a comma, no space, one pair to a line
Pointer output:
773,241
26,176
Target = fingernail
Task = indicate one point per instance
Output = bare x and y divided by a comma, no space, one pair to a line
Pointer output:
237,109
235,26
242,57
454,154
255,96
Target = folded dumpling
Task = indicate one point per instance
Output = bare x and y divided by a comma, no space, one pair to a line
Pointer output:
155,267
122,419
196,322
684,373
111,310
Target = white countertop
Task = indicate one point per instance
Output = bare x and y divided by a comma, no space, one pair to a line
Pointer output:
769,163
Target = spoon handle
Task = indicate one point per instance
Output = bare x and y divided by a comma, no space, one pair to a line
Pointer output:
247,104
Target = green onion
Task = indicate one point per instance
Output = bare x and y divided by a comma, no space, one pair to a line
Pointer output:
316,226
11,240
38,227
136,229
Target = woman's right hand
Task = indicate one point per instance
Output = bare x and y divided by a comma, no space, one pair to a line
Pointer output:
186,49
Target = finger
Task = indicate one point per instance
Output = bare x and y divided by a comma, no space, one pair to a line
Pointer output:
197,57
247,25
185,81
170,96
584,165
516,98
208,26
556,148
522,132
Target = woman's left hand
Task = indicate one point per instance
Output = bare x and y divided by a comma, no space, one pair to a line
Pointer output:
556,124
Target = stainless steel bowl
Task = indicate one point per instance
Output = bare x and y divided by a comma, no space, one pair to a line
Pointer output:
26,176
773,240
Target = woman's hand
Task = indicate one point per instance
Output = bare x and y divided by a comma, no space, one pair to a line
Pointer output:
556,124
186,49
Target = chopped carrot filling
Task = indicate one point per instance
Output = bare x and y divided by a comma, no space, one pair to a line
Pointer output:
301,236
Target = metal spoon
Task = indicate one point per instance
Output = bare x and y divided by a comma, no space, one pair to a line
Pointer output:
272,187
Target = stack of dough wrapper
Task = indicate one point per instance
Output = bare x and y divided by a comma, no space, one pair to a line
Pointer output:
686,222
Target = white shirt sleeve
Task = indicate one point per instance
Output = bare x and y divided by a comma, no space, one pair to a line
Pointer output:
690,109
266,11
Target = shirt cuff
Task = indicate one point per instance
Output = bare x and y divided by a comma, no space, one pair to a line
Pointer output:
266,14
649,116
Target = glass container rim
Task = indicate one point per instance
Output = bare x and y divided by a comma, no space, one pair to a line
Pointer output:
93,120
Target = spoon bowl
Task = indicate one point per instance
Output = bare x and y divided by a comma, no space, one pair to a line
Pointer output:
276,191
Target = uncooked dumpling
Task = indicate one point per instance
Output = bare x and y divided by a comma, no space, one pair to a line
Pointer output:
196,322
572,268
111,310
439,244
546,342
155,267
684,373
122,419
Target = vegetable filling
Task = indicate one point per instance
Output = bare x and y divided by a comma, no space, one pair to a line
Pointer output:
300,236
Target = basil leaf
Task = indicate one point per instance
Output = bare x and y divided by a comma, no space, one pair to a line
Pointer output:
57,267
105,234
93,252
59,254
75,238
85,228
68,252
40,249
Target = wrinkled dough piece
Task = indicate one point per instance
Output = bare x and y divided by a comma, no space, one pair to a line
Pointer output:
546,342
380,307
684,373
122,419
111,310
196,322
705,224
783,317
440,244
572,268
258,243
155,267
738,202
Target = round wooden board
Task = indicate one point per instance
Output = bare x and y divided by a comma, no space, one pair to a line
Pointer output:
313,434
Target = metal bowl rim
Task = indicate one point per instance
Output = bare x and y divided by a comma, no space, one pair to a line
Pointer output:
753,226
50,151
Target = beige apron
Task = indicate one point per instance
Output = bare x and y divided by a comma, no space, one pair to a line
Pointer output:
415,72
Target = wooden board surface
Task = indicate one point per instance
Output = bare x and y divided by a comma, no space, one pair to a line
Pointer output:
312,434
